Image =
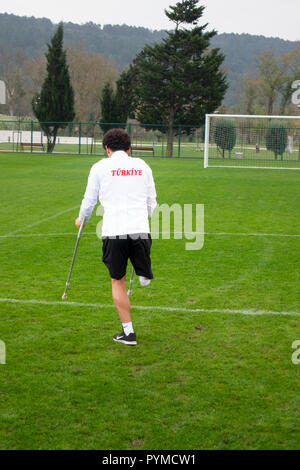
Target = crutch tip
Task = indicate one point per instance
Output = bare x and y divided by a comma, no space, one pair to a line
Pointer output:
64,296
129,293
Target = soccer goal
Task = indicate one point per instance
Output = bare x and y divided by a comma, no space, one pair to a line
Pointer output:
244,141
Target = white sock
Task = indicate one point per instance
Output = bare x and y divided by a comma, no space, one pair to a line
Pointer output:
127,327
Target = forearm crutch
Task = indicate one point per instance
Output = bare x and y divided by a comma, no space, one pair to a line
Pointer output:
129,292
64,296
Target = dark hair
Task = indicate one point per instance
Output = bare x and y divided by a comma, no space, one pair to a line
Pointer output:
116,139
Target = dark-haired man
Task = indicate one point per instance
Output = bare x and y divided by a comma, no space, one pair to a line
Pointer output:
126,190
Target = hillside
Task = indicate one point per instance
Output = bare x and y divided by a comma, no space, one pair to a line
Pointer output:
241,54
121,43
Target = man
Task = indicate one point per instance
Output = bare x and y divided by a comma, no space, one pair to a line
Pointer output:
126,190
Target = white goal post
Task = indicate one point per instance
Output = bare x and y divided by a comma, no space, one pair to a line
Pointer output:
252,141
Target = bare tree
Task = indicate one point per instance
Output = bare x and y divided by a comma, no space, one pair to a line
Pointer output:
272,73
271,89
24,77
249,93
291,63
36,70
89,73
13,74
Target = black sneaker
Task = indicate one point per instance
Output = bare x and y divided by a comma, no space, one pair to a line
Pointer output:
122,338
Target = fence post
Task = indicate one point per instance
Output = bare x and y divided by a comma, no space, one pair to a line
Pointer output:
179,139
31,135
129,128
79,136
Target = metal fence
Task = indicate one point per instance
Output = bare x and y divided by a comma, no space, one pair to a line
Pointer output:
85,138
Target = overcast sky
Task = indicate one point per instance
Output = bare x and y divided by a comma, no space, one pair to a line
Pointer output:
276,18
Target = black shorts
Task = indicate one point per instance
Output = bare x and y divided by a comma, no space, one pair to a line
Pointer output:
117,250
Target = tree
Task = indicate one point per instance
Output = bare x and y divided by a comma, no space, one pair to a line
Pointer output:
89,73
276,137
179,80
225,135
108,110
272,75
270,92
118,105
125,101
13,73
291,61
54,106
36,72
250,88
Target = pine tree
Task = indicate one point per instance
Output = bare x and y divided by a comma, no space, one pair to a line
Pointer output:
179,80
108,114
54,106
125,100
117,106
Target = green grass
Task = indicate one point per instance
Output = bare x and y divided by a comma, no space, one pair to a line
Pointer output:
196,380
263,158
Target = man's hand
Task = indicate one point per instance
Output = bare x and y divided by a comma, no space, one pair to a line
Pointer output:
77,223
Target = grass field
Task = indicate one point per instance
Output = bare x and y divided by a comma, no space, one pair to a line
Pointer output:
213,367
241,156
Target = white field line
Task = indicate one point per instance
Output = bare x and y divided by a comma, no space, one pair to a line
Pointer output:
254,167
146,307
30,235
216,234
25,227
252,234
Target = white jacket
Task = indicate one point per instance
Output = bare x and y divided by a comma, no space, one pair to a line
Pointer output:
125,188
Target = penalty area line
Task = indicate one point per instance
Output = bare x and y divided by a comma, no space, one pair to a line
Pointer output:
151,307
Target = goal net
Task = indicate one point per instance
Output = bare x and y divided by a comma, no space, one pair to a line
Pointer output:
242,141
